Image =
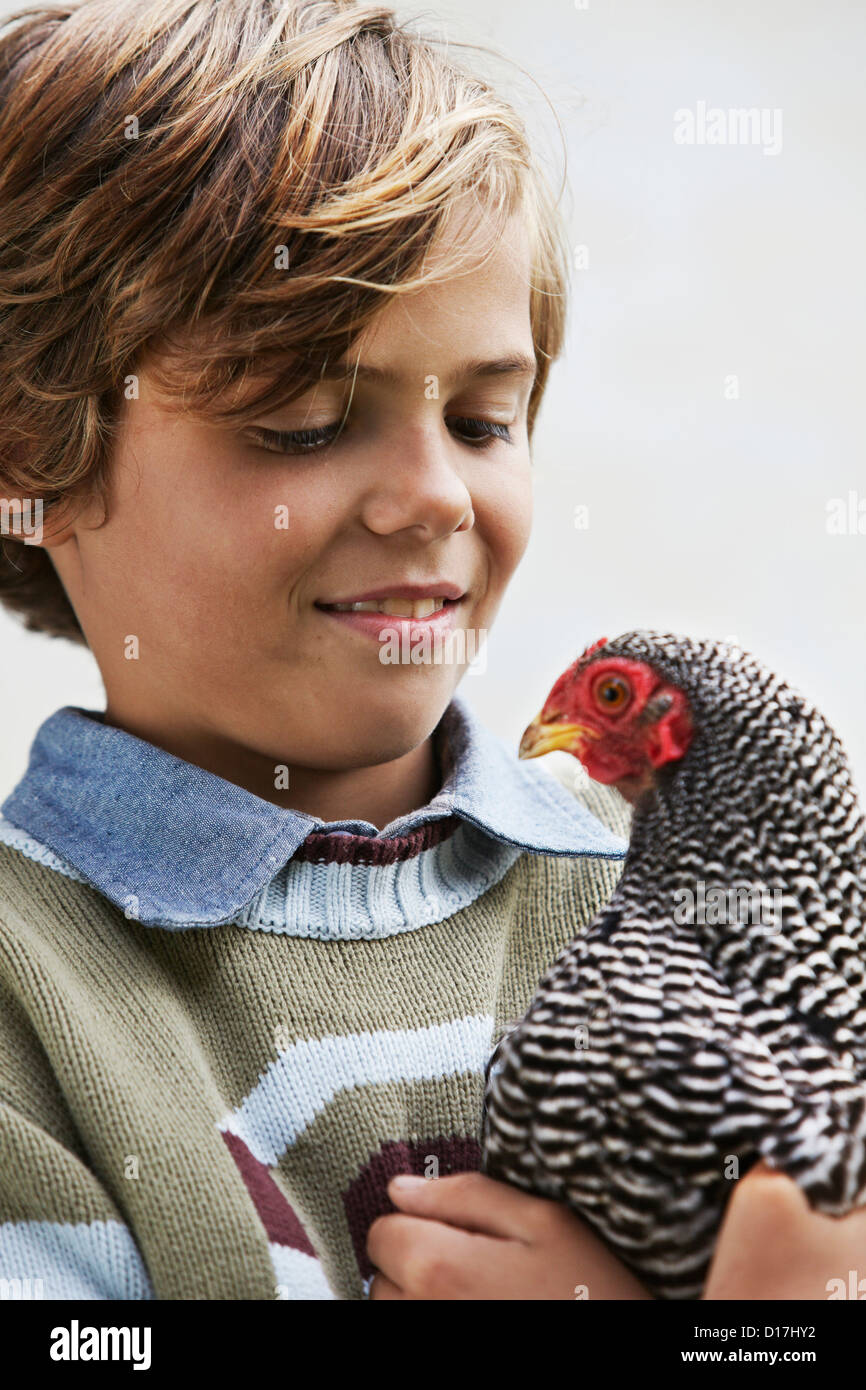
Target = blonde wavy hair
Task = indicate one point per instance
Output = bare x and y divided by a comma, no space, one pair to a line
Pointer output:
241,184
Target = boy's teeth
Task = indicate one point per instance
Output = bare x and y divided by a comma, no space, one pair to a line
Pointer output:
397,607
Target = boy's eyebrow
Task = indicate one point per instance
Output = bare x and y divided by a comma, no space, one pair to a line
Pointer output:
513,364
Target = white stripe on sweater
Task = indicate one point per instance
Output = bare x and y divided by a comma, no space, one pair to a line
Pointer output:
307,1076
298,1275
97,1259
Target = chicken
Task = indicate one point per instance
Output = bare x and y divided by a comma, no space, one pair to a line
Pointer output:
713,1013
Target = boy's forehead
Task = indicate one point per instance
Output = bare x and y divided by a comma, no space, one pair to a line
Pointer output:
435,319
495,263
462,314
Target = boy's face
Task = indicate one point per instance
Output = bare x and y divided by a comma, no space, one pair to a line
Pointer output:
201,595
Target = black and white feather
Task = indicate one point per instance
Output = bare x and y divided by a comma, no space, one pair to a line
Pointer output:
661,1058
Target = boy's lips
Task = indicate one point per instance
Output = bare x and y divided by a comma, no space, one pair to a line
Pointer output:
436,588
439,623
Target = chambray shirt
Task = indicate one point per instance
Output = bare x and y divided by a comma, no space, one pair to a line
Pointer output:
112,809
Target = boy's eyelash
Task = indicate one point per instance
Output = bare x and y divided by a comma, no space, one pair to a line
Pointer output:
313,441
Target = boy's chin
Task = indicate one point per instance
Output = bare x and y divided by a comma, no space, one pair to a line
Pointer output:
413,708
368,722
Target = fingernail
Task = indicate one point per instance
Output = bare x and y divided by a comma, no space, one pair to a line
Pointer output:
407,1182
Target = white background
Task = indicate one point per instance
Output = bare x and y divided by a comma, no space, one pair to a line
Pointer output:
706,515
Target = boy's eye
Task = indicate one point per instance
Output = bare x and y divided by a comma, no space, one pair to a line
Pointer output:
491,430
311,441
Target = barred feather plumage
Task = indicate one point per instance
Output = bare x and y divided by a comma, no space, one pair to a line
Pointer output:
661,1058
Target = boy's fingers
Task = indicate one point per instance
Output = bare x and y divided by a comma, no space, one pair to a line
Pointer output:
473,1202
388,1240
771,1239
383,1290
404,1247
428,1259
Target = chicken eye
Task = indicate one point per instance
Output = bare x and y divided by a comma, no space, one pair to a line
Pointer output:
612,692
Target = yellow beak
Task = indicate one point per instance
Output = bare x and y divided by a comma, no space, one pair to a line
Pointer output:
543,736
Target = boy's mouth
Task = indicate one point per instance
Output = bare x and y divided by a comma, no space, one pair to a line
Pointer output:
416,616
415,601
396,607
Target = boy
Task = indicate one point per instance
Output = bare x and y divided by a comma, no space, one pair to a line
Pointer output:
281,301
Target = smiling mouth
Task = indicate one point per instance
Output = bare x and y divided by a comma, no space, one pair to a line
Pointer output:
393,607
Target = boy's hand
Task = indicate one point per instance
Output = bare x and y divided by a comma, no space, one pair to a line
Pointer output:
773,1245
471,1237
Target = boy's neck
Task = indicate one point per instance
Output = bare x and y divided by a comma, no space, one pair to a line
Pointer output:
377,794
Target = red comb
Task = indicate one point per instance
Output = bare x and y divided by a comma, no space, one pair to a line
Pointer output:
594,648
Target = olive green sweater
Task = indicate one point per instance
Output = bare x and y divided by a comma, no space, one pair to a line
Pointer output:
213,1108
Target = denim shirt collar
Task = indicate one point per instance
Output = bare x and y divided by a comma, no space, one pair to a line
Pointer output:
198,848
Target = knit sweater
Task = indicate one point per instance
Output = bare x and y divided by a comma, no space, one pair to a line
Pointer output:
225,1026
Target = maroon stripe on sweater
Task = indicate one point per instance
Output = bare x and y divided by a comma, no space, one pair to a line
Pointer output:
277,1216
366,1197
321,848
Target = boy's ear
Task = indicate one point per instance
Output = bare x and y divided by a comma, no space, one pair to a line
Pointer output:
57,528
